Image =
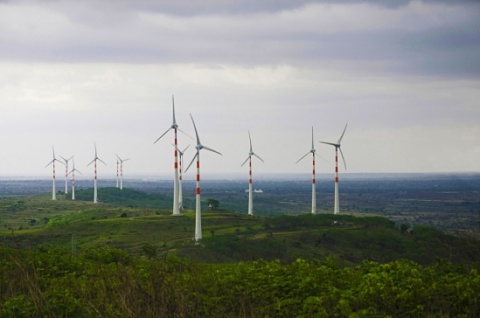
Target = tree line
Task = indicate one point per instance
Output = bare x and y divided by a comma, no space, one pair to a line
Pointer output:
108,282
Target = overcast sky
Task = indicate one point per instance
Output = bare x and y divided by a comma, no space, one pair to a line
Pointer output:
405,75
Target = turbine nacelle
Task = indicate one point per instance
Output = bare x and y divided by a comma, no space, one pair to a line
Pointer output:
199,145
337,145
251,153
96,157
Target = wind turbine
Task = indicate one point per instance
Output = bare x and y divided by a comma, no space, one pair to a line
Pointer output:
95,174
180,166
118,173
54,197
66,172
337,145
174,126
120,160
198,211
314,194
73,178
250,183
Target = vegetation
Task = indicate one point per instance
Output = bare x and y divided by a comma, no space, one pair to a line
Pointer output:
128,259
106,282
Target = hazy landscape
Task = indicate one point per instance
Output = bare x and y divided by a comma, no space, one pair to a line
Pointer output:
397,234
399,246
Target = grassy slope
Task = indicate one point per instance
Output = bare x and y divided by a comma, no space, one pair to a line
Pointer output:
132,224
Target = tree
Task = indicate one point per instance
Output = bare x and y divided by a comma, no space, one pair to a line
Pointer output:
213,204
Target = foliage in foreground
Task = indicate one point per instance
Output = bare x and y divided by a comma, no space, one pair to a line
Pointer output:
106,282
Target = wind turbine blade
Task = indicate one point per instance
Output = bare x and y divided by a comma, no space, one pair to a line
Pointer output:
102,161
212,150
245,161
53,151
303,157
162,135
66,160
250,138
323,159
313,147
91,162
344,162
173,106
183,151
193,159
49,163
196,132
343,133
258,157
329,143
184,133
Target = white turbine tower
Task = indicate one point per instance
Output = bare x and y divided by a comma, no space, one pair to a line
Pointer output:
250,182
72,172
118,173
66,172
94,161
174,126
121,170
54,197
337,145
198,211
314,192
180,178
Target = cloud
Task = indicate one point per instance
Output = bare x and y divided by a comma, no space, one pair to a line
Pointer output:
416,37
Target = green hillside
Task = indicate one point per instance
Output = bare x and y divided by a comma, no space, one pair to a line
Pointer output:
126,257
130,221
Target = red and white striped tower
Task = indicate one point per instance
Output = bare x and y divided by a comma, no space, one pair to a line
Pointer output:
66,173
314,192
180,178
250,180
120,168
337,146
198,208
174,126
95,200
336,208
54,196
118,175
73,178
176,206
94,161
250,189
73,185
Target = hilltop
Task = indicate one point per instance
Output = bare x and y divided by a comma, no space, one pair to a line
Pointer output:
132,220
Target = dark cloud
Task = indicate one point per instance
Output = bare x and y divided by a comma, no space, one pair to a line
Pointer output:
448,46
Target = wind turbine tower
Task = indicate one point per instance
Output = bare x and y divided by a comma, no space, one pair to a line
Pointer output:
180,178
118,173
174,126
94,161
66,173
250,182
198,209
120,160
73,178
54,197
314,191
337,146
